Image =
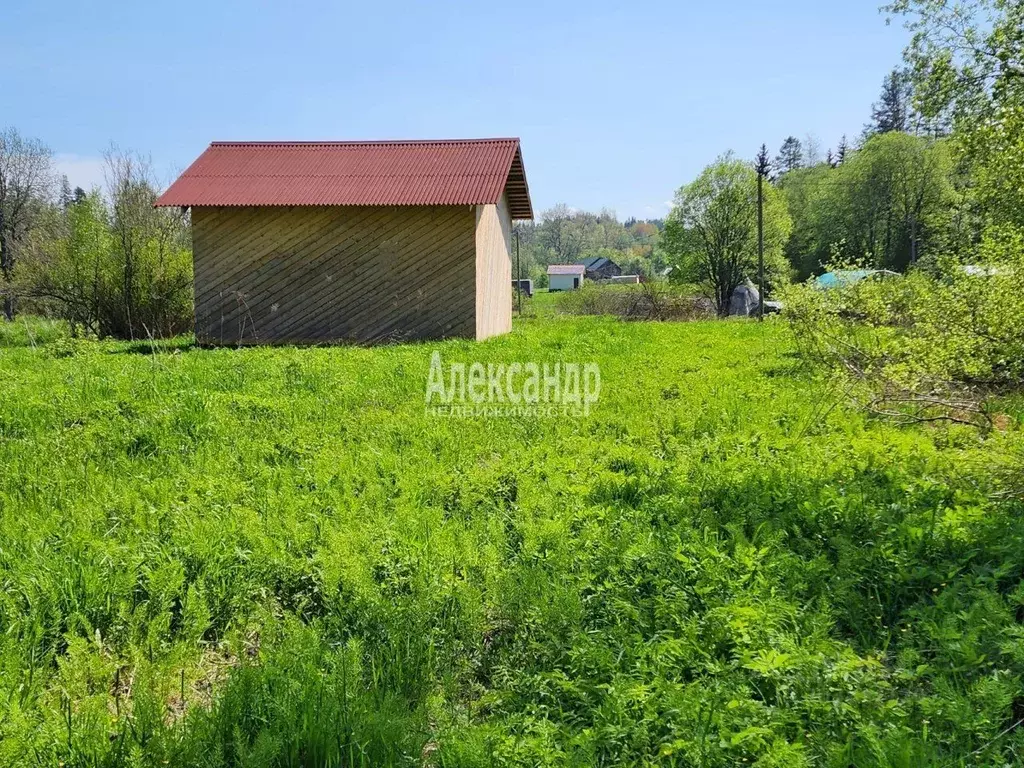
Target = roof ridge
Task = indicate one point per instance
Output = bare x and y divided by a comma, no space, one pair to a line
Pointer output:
379,172
318,175
356,143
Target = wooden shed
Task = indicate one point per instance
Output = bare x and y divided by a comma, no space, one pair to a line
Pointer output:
565,277
310,242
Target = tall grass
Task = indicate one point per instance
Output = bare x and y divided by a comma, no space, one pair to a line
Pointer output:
276,557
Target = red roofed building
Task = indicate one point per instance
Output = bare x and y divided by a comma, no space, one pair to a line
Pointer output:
299,242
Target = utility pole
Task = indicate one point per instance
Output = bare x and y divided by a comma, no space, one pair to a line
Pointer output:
762,166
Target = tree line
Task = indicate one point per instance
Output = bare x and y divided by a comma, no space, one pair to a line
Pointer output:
938,168
897,197
105,260
937,172
564,235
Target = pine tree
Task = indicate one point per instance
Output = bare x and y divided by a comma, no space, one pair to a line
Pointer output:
762,163
66,198
892,110
790,155
830,159
842,151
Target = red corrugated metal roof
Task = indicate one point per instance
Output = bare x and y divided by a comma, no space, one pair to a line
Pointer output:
566,269
447,172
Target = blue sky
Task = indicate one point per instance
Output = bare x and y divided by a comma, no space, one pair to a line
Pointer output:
617,104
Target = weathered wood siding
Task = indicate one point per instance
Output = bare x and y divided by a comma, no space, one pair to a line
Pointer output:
493,270
317,274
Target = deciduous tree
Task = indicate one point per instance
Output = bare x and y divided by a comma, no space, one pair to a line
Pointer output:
25,179
967,60
889,203
711,233
150,248
564,232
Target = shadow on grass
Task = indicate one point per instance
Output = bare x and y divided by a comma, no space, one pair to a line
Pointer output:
154,347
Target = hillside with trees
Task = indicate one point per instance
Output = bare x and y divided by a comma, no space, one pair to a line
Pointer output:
937,170
564,235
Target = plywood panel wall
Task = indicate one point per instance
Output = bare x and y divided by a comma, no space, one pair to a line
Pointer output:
321,274
493,270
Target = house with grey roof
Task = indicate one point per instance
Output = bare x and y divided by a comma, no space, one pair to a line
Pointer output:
600,268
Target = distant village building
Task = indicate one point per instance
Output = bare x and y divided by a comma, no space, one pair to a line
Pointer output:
308,242
625,279
565,277
600,268
525,286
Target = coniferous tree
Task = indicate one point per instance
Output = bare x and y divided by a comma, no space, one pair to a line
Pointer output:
790,155
892,110
66,198
842,151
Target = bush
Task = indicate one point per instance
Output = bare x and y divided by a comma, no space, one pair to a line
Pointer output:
117,267
931,344
646,301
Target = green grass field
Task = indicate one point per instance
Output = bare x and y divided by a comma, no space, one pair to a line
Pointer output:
275,557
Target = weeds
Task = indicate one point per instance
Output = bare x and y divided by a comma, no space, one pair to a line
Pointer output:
275,557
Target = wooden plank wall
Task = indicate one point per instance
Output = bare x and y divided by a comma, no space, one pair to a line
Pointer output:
319,274
493,270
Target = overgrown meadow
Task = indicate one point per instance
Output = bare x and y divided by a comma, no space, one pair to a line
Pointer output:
275,557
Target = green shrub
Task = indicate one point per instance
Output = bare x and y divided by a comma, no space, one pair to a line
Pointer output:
114,268
644,301
933,343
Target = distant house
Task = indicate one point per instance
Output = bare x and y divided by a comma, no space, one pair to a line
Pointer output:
525,286
626,279
565,277
365,241
600,268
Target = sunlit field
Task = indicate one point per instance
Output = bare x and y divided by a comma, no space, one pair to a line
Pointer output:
277,557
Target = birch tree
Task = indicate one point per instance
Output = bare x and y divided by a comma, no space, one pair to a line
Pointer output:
25,180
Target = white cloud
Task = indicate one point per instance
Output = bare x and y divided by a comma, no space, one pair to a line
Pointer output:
82,171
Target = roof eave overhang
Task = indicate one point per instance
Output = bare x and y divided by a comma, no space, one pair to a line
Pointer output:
517,191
